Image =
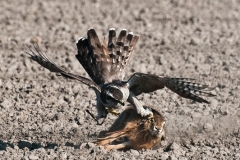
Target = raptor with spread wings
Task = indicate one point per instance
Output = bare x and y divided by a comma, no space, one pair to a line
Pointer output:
105,63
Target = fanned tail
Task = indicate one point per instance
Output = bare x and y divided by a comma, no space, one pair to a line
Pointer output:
120,50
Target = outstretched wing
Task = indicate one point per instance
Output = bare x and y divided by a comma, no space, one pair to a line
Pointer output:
47,63
145,83
104,62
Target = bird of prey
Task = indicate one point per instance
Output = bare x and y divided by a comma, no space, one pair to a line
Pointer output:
105,63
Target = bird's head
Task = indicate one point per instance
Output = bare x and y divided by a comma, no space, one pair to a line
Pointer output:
112,95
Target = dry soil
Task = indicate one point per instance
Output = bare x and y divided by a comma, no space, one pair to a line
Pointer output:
42,115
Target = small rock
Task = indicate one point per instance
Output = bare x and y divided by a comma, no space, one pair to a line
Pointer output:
182,112
33,157
207,151
237,155
134,152
16,147
63,155
90,145
214,103
163,144
193,42
6,104
179,152
193,149
172,157
116,155
83,145
164,156
174,146
45,128
25,158
224,110
215,150
9,85
232,111
36,39
207,127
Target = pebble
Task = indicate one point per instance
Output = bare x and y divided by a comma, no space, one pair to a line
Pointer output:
63,155
208,127
165,156
6,104
224,110
91,145
172,157
134,152
174,146
214,103
115,155
33,157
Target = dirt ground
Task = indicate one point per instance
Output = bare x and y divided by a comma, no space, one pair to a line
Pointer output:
42,115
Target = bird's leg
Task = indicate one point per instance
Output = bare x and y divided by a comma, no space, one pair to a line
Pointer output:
146,113
95,117
102,111
109,110
112,111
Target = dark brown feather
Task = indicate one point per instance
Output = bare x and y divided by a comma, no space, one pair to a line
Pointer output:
105,62
145,83
42,59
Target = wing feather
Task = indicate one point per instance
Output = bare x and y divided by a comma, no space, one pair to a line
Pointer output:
43,59
145,83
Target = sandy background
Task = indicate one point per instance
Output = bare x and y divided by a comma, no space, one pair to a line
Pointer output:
42,116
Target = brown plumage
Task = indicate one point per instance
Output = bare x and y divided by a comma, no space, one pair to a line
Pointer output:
182,86
105,63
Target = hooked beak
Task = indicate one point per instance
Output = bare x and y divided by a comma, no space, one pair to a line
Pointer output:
122,102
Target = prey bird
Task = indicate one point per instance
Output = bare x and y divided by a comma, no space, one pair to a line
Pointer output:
105,63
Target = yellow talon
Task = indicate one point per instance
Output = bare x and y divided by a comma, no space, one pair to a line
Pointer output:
150,118
112,111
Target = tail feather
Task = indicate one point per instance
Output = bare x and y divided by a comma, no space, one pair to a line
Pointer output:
130,42
106,62
111,43
120,43
120,50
